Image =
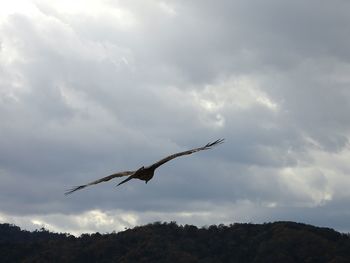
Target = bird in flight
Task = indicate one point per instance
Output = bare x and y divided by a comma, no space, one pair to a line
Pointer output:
145,173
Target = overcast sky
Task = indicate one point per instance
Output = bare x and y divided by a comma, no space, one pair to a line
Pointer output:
88,88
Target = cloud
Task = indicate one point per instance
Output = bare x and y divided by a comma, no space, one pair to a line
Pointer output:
88,89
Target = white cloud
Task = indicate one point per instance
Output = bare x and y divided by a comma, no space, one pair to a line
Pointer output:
17,6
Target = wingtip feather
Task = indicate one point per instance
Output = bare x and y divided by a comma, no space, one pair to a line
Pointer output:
72,190
217,142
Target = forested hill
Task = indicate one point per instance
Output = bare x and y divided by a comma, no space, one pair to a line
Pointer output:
168,242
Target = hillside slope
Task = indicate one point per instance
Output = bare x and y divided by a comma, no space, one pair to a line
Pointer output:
169,242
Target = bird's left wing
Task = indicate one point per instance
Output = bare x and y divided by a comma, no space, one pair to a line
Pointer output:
170,157
104,179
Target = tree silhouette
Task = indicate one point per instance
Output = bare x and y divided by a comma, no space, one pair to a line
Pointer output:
168,242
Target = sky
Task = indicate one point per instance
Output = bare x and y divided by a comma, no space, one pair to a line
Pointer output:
89,88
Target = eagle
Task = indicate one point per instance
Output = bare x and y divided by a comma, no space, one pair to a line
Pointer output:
145,173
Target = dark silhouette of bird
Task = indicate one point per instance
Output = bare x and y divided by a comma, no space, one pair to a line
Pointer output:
145,173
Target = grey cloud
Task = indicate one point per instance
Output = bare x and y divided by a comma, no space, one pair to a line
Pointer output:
82,97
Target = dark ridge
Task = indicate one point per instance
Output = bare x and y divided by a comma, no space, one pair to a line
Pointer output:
168,242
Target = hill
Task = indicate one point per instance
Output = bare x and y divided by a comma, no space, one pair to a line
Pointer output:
168,242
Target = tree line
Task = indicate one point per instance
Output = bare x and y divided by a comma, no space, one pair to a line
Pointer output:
286,242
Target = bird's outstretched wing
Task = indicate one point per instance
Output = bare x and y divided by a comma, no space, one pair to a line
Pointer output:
170,157
104,179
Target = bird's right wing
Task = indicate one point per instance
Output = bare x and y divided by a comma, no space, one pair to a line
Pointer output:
104,179
170,157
